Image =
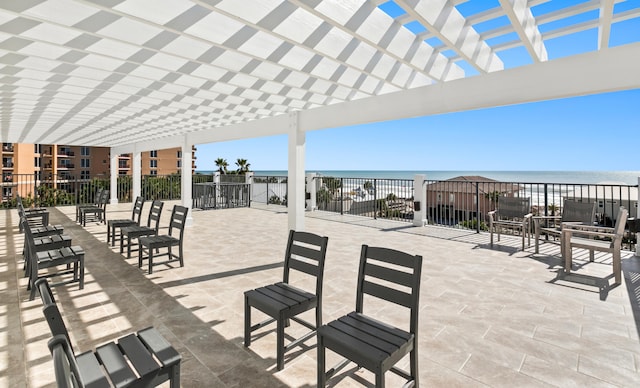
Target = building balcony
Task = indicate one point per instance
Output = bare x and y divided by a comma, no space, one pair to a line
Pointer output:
66,166
7,149
7,166
66,154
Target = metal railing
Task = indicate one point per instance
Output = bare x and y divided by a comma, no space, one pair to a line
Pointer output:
210,195
271,190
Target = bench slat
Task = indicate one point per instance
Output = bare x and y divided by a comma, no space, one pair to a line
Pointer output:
91,372
115,364
159,346
138,355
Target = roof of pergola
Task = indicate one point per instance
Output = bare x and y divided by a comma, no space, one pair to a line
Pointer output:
122,72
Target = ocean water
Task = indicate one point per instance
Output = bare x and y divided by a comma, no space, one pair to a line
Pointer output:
587,177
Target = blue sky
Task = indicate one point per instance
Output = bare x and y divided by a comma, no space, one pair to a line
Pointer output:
597,132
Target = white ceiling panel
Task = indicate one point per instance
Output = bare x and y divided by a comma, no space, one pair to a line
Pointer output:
114,73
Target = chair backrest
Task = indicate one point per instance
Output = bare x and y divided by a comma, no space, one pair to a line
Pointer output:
104,199
618,229
154,214
178,220
28,237
64,363
380,270
51,311
306,253
98,197
574,211
136,213
513,207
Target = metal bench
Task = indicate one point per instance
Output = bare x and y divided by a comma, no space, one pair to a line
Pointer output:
143,359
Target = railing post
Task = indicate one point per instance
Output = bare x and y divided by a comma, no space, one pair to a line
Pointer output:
375,199
477,208
341,196
419,199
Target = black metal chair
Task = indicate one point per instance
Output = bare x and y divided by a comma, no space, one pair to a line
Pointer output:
99,211
51,258
281,301
142,359
136,231
151,244
36,217
392,276
96,202
113,225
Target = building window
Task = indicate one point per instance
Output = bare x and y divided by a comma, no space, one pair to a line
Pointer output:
37,162
85,151
153,154
84,163
153,163
37,148
153,172
179,163
84,175
179,154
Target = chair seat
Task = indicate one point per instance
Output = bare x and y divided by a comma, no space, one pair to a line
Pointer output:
277,298
366,341
48,230
121,223
159,241
137,231
589,243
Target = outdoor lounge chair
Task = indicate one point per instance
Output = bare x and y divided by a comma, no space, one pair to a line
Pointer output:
573,211
511,213
595,238
282,302
52,258
99,211
113,225
388,275
129,233
152,244
143,359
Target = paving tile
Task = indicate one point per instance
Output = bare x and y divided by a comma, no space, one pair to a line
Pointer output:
488,317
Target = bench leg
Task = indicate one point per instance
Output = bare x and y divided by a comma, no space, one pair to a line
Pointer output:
174,379
617,266
247,322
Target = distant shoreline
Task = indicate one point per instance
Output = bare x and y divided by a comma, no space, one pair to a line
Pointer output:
569,177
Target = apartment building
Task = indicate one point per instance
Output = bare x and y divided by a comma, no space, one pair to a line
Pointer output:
25,164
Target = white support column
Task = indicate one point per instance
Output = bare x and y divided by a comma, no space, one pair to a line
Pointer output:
295,195
113,173
311,189
248,179
136,172
420,199
186,179
637,217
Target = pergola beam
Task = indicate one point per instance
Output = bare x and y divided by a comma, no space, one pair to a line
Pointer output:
604,30
524,24
444,21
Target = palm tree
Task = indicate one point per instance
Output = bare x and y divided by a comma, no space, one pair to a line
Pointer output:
243,166
222,165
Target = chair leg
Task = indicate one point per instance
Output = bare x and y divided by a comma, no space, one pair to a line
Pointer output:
280,342
150,260
322,377
121,243
413,359
380,379
81,264
617,266
128,247
247,322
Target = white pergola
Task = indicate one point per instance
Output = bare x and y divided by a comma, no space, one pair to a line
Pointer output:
139,75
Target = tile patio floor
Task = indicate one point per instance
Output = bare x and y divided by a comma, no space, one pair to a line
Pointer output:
489,317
